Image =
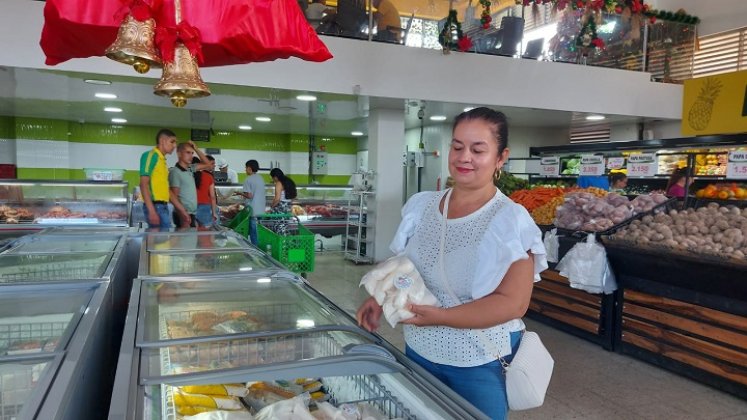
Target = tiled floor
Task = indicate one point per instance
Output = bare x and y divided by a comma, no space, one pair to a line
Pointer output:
588,382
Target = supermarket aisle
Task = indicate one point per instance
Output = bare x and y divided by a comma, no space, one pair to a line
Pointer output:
589,382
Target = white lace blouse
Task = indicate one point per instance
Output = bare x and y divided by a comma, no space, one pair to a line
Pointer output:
479,249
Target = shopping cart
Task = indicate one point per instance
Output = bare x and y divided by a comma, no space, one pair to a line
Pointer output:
284,237
240,222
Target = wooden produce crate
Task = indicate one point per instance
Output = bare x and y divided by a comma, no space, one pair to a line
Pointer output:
586,315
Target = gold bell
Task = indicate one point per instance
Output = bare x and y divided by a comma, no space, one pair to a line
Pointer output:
181,78
135,46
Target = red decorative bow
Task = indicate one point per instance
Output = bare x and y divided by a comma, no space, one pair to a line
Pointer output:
139,9
464,43
166,39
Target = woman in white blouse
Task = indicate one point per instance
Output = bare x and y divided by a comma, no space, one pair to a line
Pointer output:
492,254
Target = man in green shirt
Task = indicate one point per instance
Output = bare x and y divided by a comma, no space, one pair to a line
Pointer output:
154,180
182,189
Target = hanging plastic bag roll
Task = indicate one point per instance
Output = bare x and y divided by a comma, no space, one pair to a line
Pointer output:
552,245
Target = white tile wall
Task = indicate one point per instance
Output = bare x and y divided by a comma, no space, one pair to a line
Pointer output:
42,154
8,151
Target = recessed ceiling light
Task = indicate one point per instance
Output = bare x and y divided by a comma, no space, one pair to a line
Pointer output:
119,120
105,95
112,109
307,98
356,133
438,117
263,119
595,117
98,82
245,127
469,108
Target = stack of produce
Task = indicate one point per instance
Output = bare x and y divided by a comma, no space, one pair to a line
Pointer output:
545,214
536,197
713,230
724,191
590,213
508,183
711,164
572,167
647,202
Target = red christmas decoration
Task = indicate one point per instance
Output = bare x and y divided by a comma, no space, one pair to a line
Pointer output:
464,43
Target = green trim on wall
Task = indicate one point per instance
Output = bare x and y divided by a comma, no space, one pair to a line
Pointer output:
339,145
41,129
7,128
43,173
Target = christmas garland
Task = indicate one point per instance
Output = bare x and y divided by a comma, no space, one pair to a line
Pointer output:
485,17
618,6
446,38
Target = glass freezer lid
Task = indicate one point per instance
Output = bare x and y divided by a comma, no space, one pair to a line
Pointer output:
22,385
180,263
66,244
40,321
384,395
199,240
184,310
32,268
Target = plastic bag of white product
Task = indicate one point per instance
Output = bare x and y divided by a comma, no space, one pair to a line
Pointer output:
296,408
327,411
378,280
587,268
551,245
407,288
220,415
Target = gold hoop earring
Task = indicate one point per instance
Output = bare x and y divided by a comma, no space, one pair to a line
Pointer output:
497,175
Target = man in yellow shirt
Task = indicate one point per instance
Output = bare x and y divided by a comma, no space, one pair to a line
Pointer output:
154,180
388,25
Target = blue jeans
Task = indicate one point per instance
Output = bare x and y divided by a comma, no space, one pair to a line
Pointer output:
204,215
162,209
484,386
253,230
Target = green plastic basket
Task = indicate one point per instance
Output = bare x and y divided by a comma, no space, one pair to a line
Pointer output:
240,222
295,251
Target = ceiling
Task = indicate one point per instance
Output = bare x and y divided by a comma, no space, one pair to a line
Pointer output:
65,95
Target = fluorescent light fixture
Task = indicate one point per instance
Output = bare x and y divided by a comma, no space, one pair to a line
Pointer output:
469,108
305,323
245,127
264,280
263,119
102,95
595,117
306,98
356,133
119,120
245,268
112,109
438,117
97,82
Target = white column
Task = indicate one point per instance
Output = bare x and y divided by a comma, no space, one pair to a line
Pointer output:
386,143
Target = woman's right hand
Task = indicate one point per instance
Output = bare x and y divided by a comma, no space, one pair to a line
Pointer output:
369,315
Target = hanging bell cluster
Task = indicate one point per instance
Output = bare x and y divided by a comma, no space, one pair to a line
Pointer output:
135,45
181,78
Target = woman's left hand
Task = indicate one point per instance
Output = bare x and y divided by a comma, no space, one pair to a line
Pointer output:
425,315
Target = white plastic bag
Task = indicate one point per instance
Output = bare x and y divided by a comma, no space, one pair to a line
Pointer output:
296,408
395,283
587,268
221,415
551,245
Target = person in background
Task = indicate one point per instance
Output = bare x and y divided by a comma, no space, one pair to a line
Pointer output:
388,24
207,203
182,189
618,182
285,191
676,185
493,253
154,180
231,175
254,194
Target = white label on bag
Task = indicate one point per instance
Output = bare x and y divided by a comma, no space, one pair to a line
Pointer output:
350,409
403,282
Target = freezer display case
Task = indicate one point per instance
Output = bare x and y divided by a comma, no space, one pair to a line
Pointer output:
55,203
53,267
249,343
200,240
23,384
71,244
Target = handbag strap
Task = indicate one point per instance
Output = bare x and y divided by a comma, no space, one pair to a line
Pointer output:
481,336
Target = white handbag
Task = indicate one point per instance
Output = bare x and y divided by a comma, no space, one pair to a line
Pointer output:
528,375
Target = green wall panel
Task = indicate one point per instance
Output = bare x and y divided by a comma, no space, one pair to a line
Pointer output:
43,173
7,128
340,145
41,129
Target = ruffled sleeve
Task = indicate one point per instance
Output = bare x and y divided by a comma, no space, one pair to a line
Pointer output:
510,235
412,214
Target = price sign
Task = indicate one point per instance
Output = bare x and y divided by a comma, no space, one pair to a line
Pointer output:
642,164
615,162
736,167
550,166
592,165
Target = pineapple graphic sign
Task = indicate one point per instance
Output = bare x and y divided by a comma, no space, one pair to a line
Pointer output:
715,105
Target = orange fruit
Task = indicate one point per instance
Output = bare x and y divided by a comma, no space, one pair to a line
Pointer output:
723,195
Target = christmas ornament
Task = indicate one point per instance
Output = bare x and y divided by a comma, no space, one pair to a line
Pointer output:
135,39
446,37
485,17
